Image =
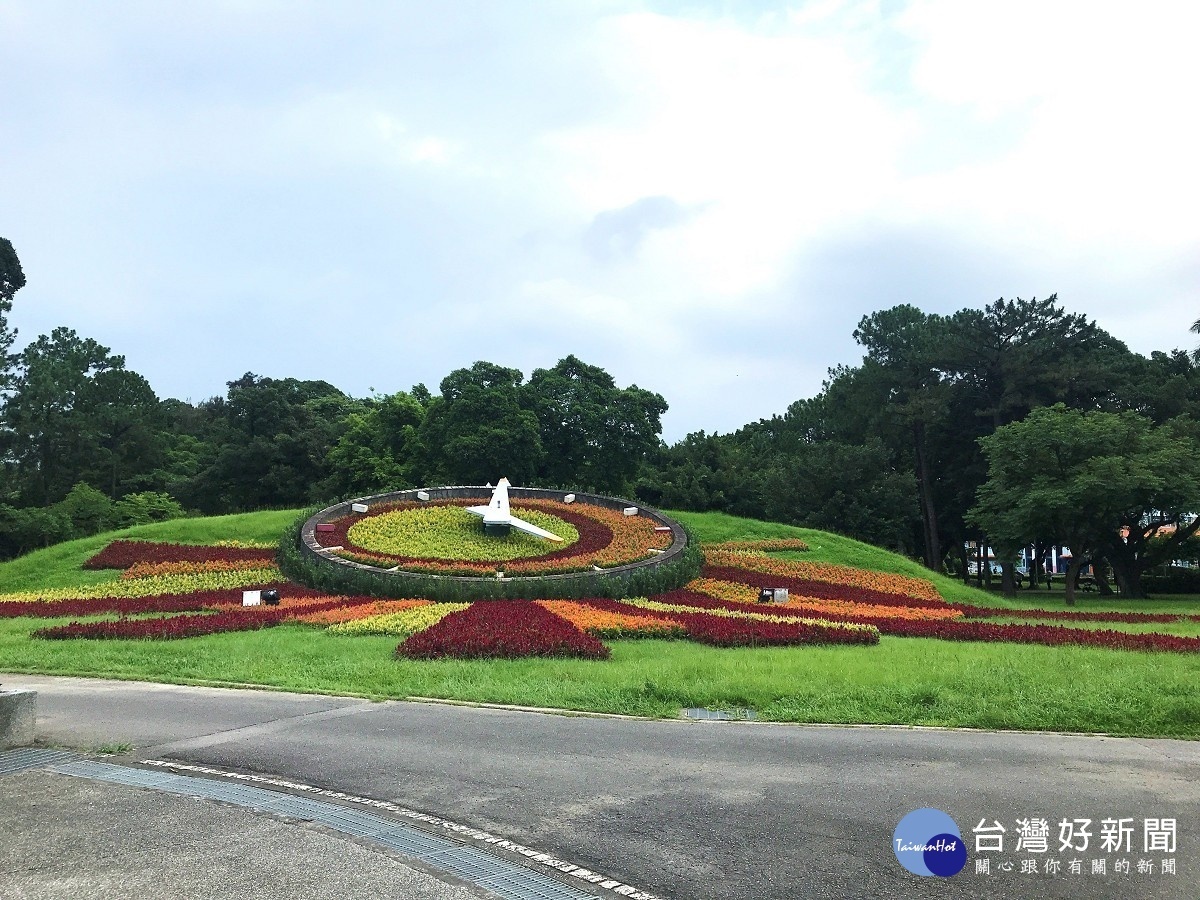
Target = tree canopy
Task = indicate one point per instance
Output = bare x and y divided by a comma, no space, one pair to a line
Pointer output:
1104,484
12,279
891,450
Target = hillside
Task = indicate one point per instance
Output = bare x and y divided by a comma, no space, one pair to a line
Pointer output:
1018,669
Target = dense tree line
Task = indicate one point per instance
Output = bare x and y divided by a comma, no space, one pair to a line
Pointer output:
892,450
85,443
1018,423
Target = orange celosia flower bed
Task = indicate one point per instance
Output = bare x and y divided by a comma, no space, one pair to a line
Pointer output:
603,623
816,606
885,582
350,613
762,545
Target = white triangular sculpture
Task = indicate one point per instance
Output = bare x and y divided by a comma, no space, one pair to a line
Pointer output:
497,514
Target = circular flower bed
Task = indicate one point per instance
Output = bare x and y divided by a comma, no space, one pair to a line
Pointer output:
423,544
450,532
454,543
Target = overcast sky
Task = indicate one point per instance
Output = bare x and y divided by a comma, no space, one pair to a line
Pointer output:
702,198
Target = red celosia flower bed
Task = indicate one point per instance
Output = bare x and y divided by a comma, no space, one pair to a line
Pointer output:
501,629
511,629
241,619
724,631
727,631
961,630
823,590
123,554
1050,635
1131,618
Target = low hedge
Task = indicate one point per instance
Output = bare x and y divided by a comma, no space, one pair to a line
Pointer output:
1176,581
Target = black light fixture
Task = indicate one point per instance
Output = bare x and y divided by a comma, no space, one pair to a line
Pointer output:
765,595
271,597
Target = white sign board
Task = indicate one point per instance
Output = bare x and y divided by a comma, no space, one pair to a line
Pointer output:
251,598
631,510
359,507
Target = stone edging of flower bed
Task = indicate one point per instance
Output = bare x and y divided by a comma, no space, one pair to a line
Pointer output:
329,571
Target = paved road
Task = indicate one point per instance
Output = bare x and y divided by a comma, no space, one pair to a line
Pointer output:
683,809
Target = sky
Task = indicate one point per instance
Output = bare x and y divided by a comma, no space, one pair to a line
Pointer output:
702,198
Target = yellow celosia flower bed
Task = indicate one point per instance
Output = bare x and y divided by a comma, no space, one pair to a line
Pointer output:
450,532
156,584
402,624
734,614
150,570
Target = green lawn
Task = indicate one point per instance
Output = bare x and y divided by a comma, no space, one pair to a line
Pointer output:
900,681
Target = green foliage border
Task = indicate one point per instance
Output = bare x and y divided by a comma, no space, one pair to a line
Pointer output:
302,560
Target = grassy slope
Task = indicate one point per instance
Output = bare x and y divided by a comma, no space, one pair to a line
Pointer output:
905,681
59,566
825,546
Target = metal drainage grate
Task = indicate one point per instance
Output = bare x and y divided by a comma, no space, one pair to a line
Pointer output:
736,714
30,758
483,869
501,876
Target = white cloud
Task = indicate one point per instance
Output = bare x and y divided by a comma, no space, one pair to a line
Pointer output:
655,192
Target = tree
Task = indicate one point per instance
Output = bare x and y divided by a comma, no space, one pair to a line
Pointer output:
703,472
274,436
594,434
478,430
12,279
1102,483
848,488
120,409
146,506
377,449
903,351
50,435
1015,355
1196,330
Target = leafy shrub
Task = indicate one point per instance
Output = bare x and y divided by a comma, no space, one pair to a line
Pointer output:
1176,581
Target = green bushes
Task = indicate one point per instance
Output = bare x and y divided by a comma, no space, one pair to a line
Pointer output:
1177,581
83,512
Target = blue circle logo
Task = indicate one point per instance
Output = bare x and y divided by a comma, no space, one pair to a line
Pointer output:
928,842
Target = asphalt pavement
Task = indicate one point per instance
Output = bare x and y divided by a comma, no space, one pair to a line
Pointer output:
68,837
667,808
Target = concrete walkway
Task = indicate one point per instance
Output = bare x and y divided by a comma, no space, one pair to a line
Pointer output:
669,808
68,837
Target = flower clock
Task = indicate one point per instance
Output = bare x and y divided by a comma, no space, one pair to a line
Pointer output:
168,591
